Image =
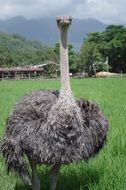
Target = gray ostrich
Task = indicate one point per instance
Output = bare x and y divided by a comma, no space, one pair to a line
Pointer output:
52,127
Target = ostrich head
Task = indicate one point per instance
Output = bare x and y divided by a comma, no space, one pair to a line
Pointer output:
63,21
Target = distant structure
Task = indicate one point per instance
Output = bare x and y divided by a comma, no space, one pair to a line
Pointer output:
43,70
45,63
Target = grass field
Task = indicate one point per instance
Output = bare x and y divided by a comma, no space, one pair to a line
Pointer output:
107,171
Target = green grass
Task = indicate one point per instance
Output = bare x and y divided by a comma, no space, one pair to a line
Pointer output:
107,171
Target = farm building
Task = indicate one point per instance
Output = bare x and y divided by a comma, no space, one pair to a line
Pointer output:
44,70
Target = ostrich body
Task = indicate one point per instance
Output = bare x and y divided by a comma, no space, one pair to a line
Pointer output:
52,127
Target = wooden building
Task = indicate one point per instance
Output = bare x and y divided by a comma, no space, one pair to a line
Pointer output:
46,70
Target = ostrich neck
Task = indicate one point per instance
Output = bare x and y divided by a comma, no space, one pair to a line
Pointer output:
64,63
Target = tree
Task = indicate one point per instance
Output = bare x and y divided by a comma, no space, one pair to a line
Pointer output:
90,55
5,56
110,43
114,46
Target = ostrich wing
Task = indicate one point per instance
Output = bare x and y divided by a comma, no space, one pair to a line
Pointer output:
31,109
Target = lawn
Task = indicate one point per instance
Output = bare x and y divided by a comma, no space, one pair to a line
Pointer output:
107,171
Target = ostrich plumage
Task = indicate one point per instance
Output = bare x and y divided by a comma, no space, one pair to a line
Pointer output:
52,127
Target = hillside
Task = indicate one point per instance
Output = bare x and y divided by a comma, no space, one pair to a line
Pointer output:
15,50
45,29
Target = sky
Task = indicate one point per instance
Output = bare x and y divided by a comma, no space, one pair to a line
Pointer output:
107,11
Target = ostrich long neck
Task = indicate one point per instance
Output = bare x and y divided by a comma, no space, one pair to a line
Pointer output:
64,63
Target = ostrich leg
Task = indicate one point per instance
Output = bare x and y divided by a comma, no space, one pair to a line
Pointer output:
35,178
54,176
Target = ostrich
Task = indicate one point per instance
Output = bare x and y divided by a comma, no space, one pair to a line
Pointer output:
52,127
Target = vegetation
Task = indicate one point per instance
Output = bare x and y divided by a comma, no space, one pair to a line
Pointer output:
17,51
96,49
110,44
107,171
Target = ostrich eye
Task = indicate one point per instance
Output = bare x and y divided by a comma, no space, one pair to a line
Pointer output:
58,20
70,19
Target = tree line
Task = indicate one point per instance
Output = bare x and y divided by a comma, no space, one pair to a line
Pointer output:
97,48
108,45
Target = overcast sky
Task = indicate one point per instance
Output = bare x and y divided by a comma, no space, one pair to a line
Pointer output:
107,11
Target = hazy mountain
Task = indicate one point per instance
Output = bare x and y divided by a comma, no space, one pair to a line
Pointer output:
45,29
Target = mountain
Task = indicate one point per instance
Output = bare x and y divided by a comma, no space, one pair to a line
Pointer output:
45,29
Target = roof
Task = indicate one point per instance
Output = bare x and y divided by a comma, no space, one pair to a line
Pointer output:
20,69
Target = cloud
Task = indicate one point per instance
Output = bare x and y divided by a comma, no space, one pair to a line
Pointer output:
31,8
108,11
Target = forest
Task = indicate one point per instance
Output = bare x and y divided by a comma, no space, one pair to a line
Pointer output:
96,48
